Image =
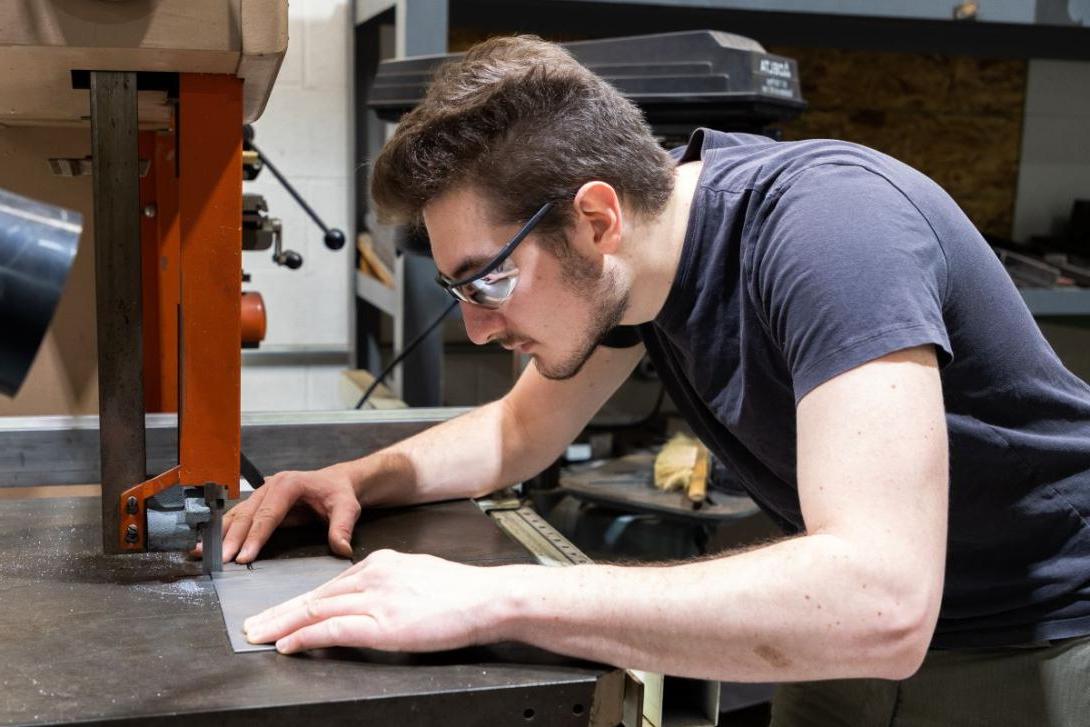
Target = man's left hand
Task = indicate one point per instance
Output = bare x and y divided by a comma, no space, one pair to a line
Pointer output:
393,602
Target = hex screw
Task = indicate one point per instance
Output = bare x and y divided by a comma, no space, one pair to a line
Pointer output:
131,505
131,534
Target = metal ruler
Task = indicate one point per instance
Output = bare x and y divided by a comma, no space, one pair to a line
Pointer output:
643,691
538,536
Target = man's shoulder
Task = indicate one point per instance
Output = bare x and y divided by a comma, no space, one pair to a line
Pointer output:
748,162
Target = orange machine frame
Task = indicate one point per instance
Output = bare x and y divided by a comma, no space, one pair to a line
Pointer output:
160,243
193,283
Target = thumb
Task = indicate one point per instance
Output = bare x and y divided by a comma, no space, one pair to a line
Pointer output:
342,519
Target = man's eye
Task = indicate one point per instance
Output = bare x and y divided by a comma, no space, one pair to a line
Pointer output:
504,271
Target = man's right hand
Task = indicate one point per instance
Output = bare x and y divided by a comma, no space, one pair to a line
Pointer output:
328,493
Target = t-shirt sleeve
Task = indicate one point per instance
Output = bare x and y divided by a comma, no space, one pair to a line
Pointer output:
845,270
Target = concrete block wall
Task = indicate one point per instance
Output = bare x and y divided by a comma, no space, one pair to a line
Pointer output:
307,131
1055,164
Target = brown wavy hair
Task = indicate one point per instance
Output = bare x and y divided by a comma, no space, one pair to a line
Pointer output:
525,123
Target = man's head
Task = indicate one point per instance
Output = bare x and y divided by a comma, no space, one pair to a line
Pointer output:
512,125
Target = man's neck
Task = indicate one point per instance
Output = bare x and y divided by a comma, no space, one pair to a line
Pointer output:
656,249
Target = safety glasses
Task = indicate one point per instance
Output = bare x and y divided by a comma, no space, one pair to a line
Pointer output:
495,282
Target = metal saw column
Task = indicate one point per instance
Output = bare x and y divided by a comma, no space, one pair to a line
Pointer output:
210,210
117,291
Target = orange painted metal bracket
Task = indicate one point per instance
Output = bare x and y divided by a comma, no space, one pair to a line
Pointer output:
210,207
160,239
133,530
196,283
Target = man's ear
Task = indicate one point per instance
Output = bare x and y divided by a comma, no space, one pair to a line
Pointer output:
598,206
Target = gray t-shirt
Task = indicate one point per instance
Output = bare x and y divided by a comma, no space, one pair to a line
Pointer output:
803,260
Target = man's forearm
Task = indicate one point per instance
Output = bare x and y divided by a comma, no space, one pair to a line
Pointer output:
800,609
495,445
858,596
469,456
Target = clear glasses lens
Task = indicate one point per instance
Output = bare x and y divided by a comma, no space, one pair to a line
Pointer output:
492,289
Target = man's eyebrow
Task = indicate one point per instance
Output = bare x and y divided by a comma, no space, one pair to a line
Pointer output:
469,264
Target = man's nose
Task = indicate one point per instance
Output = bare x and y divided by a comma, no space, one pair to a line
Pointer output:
482,324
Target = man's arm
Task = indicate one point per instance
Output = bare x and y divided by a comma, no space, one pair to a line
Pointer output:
498,444
491,447
856,596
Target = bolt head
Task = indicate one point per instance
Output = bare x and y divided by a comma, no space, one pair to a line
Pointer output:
131,505
131,534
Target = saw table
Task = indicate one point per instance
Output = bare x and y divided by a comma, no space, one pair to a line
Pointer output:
100,638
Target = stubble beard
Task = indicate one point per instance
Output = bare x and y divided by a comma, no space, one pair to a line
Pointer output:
604,318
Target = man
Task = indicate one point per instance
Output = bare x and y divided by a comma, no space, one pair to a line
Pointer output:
830,324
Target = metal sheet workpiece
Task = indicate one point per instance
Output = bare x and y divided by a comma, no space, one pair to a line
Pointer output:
244,592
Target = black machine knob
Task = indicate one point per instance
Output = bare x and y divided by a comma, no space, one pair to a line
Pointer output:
334,239
289,259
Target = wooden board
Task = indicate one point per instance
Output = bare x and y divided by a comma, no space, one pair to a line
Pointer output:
42,42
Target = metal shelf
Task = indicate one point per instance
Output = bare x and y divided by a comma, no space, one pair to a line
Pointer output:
1016,13
1001,30
1057,301
377,294
297,355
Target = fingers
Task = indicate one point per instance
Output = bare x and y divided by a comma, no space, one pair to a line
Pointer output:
343,515
267,515
308,612
358,630
233,535
236,523
287,495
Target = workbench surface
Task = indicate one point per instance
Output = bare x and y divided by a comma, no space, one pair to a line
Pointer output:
92,638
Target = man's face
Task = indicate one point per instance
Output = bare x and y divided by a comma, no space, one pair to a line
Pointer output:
560,308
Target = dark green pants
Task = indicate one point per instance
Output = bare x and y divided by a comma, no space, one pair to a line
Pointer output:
1033,686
